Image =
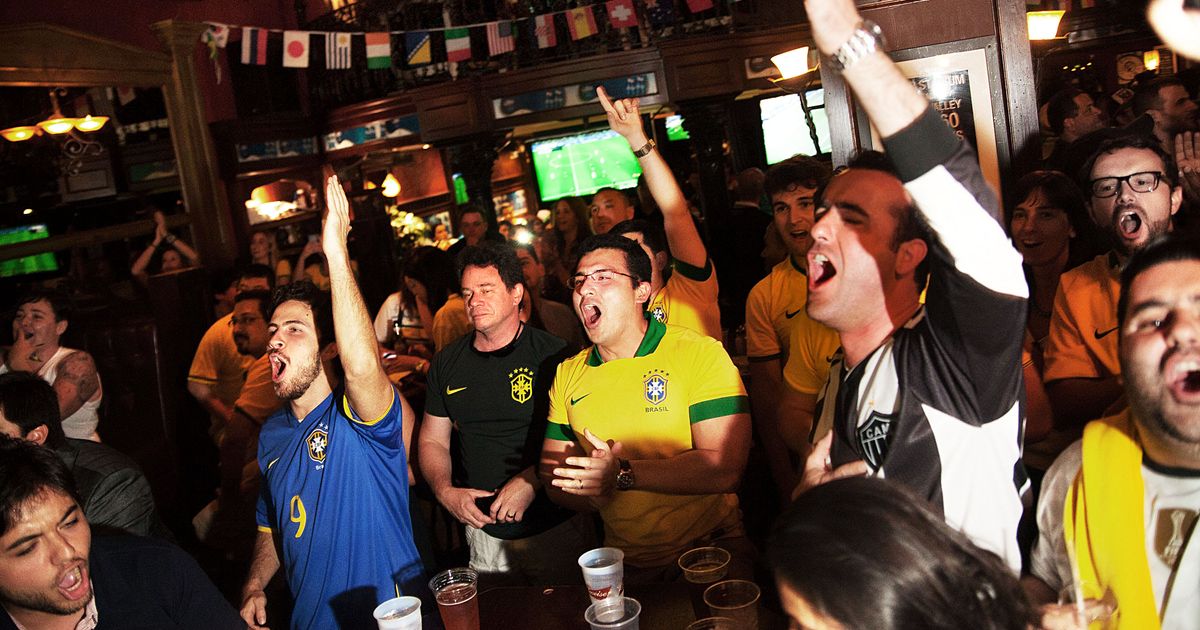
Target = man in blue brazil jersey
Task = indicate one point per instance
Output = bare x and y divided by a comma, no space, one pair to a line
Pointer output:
334,462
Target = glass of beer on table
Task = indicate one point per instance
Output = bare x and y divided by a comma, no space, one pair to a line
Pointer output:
455,593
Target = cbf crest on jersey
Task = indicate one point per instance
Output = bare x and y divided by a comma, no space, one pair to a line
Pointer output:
521,381
873,437
659,313
317,442
655,382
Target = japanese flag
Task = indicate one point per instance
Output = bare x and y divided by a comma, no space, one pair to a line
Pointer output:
295,49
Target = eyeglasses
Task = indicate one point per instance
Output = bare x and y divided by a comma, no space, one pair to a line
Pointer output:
599,276
1138,182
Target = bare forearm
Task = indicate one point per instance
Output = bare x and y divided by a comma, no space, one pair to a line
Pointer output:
203,395
691,472
186,250
435,465
764,384
263,565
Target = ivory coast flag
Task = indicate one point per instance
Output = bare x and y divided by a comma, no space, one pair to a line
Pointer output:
458,44
581,22
379,50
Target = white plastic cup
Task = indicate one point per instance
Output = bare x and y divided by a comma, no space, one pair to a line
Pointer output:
603,573
620,613
399,613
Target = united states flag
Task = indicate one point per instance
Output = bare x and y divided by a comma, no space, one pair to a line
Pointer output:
500,38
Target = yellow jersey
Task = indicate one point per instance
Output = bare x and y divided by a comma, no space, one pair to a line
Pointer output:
1082,342
689,299
777,327
649,403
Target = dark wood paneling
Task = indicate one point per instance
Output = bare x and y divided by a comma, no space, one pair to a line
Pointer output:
451,110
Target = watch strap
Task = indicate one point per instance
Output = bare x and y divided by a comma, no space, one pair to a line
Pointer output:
646,148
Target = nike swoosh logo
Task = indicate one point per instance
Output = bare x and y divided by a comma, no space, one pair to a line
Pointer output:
451,392
575,400
793,313
1101,335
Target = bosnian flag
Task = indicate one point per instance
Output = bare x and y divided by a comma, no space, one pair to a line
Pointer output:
500,38
254,46
295,49
337,51
543,29
581,22
458,44
379,50
621,14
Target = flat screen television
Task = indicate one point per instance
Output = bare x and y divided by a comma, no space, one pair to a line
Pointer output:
675,130
580,164
785,132
29,264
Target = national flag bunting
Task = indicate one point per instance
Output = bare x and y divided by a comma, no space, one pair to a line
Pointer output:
543,30
254,46
581,22
337,51
500,38
621,13
458,44
295,49
379,50
660,13
696,6
416,46
217,35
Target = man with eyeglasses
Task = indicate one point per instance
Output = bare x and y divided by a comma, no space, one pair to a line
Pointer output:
1132,196
649,426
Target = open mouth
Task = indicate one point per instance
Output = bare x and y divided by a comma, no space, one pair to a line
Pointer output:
799,234
278,367
591,315
1129,224
74,584
1183,379
820,271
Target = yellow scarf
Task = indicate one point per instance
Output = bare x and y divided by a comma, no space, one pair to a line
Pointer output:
1103,518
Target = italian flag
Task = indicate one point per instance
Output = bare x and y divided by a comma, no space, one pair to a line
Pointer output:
458,44
379,50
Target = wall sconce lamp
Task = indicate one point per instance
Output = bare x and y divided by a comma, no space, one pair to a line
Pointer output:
391,186
1150,59
1043,25
797,72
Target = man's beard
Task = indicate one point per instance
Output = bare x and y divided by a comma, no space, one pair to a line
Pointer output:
294,386
1148,400
39,602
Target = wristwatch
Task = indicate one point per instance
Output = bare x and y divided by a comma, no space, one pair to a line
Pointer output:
866,39
624,475
646,148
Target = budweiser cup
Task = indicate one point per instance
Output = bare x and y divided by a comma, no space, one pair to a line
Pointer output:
604,573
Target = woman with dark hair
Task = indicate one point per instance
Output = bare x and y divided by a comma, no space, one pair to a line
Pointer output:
866,553
430,277
571,226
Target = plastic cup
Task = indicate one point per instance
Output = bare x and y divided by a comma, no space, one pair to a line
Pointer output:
704,565
713,623
603,573
454,590
399,613
735,599
616,613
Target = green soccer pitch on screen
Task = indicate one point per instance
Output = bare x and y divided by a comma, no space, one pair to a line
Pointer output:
581,164
29,264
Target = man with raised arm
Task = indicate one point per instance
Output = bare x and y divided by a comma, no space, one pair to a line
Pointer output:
927,396
334,494
684,283
673,405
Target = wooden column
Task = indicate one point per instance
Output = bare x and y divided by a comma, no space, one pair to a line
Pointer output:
705,122
474,158
203,190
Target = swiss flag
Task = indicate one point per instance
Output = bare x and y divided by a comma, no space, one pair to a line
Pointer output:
295,49
621,13
696,6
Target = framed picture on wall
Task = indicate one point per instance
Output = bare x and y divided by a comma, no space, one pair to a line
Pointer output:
960,81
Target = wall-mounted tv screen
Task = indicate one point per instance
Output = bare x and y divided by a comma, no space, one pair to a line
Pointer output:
581,164
675,130
785,132
29,264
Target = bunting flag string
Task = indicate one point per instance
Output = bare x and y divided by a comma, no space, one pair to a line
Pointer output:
581,23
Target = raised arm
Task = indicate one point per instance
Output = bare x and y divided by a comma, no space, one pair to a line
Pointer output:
682,237
77,382
367,386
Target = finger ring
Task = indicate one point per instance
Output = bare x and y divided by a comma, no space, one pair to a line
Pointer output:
578,483
511,514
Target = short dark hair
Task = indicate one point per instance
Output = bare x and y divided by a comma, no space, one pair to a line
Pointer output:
528,248
1062,106
801,171
635,257
59,302
652,233
1060,191
909,569
611,189
258,270
265,305
316,299
1171,247
29,402
472,208
1128,141
434,269
501,256
1147,96
26,471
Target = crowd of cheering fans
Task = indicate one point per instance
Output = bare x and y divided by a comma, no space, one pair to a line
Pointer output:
968,414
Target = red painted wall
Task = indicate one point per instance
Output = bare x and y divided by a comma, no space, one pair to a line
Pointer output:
128,21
